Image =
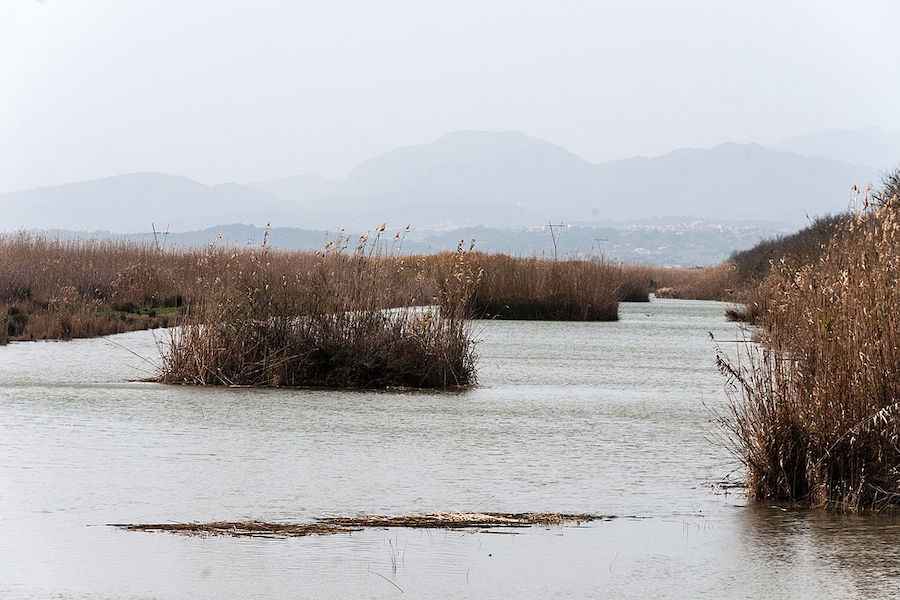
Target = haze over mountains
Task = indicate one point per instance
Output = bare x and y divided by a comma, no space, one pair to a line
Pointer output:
869,147
492,179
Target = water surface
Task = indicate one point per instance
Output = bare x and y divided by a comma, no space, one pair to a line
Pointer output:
610,418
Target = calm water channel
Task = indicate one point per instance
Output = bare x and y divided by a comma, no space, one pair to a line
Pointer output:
610,418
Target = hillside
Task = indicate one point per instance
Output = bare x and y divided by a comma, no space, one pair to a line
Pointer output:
508,179
134,202
870,147
464,179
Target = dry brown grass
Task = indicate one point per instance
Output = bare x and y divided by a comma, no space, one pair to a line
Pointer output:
357,318
64,289
815,415
540,289
61,289
717,282
250,316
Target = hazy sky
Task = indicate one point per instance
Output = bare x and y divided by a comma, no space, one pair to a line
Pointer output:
243,90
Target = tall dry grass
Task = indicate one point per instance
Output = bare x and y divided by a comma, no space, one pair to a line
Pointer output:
815,415
60,289
346,319
717,282
540,289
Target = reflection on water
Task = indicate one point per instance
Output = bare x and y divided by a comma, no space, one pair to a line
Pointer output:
834,555
611,418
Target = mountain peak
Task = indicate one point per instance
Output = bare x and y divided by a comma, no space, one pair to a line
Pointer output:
454,150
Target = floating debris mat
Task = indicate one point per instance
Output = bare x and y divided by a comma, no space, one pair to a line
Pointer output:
457,520
440,520
237,528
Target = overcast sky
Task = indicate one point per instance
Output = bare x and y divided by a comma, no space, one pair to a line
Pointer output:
246,90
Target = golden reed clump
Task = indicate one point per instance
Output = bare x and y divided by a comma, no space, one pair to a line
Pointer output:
816,414
539,289
60,289
716,282
361,319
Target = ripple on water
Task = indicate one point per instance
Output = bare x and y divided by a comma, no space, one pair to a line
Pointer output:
610,418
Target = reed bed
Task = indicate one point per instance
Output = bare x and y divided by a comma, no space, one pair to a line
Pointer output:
67,288
62,289
635,286
540,289
814,415
351,319
716,282
347,316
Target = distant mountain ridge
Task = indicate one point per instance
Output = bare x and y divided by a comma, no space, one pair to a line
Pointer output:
869,147
133,202
501,179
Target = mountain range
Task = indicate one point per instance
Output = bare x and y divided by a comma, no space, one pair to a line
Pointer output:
492,179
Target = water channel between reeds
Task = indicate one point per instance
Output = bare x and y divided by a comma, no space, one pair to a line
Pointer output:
605,418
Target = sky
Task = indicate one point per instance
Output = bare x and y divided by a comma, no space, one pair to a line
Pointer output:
251,90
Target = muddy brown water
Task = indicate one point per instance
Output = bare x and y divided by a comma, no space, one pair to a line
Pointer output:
607,418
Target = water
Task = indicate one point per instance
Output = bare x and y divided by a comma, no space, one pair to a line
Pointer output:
610,418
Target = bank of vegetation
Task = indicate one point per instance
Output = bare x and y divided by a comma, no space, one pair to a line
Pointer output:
353,315
356,314
815,417
539,289
717,282
60,289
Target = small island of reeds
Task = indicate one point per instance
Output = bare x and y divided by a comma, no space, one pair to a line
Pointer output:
338,318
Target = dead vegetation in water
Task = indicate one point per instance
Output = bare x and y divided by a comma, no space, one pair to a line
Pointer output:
327,526
236,528
457,520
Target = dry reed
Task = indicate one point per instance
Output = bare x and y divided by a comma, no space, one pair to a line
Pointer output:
61,289
717,282
350,319
814,417
533,288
